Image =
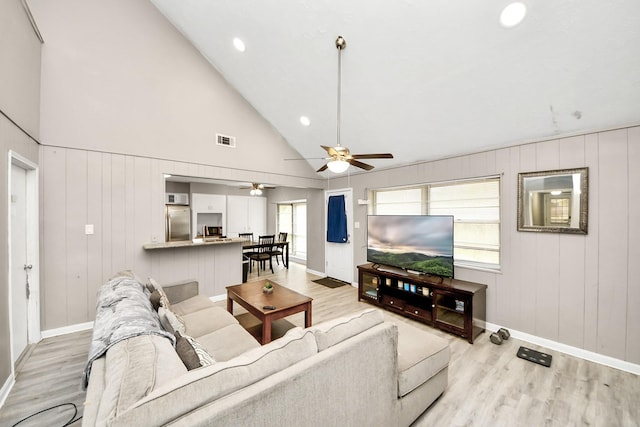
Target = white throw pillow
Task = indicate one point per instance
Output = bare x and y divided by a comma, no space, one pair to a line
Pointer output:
170,321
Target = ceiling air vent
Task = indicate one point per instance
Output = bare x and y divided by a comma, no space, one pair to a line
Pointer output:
226,141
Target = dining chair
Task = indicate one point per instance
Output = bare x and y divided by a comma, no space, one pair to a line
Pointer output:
263,254
246,236
278,250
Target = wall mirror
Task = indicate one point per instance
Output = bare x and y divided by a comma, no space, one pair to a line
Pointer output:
554,201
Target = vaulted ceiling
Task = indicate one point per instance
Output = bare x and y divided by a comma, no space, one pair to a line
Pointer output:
423,79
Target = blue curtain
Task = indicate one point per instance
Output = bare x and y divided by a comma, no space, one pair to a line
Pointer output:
336,220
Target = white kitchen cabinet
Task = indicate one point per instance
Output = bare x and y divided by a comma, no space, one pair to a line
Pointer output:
246,214
211,203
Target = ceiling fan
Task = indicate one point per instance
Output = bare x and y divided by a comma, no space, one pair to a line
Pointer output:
256,188
339,157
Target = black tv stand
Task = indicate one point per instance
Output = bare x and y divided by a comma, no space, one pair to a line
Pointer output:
452,305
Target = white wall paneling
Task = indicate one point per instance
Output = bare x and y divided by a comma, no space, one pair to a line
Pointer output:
123,198
633,256
613,243
578,290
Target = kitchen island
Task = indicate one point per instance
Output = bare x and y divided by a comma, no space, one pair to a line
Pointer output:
215,262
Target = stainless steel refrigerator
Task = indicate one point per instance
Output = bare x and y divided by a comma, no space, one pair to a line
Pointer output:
178,222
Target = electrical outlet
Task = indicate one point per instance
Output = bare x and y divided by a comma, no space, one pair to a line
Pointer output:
88,229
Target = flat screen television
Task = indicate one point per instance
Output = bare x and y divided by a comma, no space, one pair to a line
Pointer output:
418,243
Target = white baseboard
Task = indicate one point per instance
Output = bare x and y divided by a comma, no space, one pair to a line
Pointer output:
6,389
67,329
570,350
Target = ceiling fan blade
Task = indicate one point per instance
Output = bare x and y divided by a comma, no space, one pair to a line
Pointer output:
360,165
331,150
373,156
323,168
308,158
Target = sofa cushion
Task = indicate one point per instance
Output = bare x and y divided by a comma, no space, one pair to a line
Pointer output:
201,386
186,352
421,355
170,321
191,305
208,320
164,301
134,368
191,352
155,299
228,342
332,332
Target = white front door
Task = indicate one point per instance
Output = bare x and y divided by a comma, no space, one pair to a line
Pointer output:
339,256
19,298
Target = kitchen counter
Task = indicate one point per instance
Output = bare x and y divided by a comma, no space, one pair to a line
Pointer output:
191,244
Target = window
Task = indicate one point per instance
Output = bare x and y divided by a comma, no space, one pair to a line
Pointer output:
400,201
474,204
292,219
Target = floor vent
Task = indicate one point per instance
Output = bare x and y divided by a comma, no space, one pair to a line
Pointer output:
226,141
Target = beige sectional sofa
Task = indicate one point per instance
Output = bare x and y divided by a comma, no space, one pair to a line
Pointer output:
355,370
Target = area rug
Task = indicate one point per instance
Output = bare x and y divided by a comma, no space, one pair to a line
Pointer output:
330,282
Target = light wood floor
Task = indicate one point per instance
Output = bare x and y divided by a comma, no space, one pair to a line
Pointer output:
488,384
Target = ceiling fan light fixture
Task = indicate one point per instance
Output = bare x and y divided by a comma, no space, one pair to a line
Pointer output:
256,189
338,166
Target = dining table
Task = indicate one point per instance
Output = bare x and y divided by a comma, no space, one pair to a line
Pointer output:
249,246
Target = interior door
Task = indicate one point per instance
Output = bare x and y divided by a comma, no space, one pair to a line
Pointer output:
339,256
19,298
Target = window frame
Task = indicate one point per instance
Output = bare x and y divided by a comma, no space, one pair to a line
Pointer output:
293,237
425,209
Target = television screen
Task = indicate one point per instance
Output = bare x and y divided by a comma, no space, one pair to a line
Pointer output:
422,243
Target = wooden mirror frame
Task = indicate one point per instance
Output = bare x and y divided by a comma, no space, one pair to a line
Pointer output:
539,185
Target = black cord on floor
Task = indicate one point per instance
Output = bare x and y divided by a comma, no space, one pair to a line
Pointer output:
71,421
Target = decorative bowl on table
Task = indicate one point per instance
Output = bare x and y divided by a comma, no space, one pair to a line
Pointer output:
268,288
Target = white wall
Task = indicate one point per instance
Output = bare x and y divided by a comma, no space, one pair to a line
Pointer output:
119,78
579,290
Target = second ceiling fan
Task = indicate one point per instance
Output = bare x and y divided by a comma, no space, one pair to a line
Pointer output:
340,157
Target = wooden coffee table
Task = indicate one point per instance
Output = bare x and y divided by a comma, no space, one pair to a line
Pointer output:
287,302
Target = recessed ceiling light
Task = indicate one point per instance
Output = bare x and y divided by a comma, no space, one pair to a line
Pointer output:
239,44
513,14
305,120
